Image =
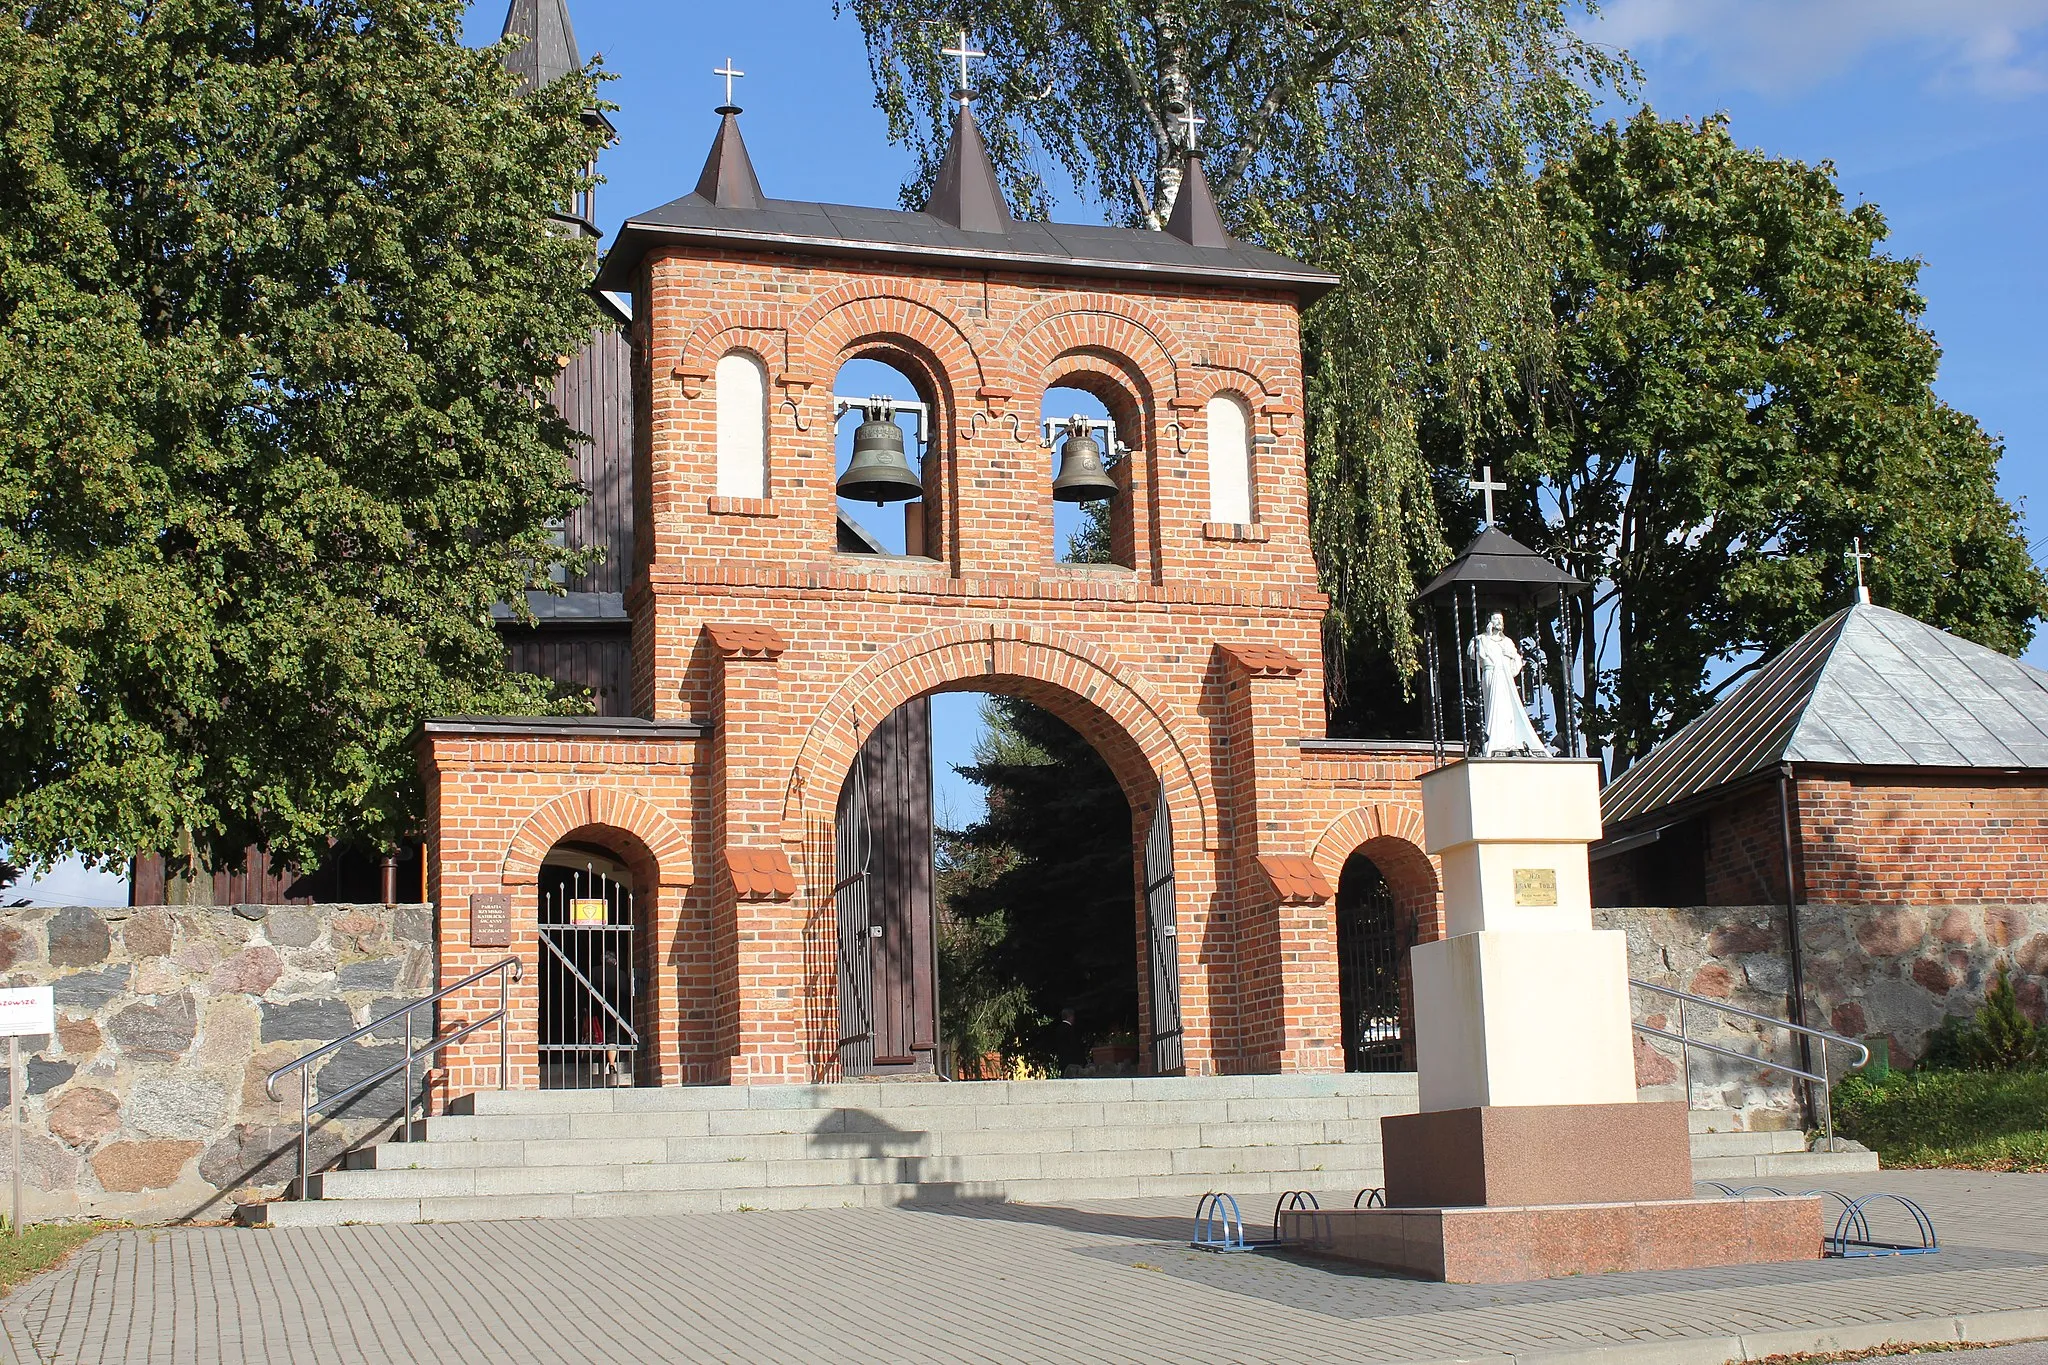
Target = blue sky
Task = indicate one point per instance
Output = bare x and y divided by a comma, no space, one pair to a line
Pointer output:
1936,110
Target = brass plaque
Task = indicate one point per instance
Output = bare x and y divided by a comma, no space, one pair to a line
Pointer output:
490,921
1535,886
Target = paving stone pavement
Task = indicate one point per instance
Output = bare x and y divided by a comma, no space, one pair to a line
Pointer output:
1108,1282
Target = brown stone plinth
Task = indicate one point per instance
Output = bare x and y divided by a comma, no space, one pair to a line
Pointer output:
1540,1242
1537,1154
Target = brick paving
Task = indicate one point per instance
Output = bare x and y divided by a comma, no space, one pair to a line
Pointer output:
1108,1281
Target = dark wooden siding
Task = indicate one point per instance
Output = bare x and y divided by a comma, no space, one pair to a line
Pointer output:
347,877
599,659
595,396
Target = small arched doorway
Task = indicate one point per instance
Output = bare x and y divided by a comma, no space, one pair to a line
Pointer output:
1373,939
590,979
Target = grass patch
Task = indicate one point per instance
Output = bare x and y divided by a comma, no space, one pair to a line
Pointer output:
1975,1120
42,1246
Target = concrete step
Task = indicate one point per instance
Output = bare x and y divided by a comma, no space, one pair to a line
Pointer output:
1803,1169
1397,1090
1337,1187
1767,1143
440,1151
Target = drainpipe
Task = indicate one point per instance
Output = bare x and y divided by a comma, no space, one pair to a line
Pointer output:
1797,958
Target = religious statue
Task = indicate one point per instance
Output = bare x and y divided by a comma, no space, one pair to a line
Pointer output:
1505,720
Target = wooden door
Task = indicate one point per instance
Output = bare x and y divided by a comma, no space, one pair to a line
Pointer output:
1162,943
888,995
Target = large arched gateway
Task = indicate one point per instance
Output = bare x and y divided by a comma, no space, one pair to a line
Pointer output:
778,640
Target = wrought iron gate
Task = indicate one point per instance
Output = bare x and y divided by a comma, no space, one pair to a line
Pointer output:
1371,956
1162,939
588,1038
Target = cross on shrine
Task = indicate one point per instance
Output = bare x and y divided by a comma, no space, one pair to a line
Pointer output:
1191,124
1487,485
1857,556
729,73
964,53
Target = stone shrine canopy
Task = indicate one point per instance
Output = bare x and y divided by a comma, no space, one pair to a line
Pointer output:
1869,688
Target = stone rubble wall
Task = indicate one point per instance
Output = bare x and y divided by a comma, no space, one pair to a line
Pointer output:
149,1105
1871,970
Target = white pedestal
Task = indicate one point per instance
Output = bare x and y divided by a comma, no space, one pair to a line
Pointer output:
1525,1003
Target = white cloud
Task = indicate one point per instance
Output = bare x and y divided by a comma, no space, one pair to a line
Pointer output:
1993,48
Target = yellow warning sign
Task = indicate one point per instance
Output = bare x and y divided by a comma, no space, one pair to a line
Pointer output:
586,912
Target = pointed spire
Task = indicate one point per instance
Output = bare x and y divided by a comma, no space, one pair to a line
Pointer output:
728,179
1194,219
965,193
549,51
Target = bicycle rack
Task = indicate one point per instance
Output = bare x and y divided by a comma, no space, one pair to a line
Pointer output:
1370,1199
1851,1238
1853,1220
1301,1201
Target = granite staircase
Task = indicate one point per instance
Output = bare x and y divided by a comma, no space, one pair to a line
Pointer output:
586,1153
540,1154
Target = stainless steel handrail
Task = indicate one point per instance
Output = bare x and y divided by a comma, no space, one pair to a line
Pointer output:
507,971
1687,1043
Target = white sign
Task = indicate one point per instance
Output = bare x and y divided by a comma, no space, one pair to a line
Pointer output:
26,1011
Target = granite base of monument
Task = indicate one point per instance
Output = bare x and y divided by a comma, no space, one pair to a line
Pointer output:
1511,1244
1537,1154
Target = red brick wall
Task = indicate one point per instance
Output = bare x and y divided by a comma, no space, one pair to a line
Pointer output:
1927,840
1135,656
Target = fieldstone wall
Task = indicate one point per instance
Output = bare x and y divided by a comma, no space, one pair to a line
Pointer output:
1871,970
149,1102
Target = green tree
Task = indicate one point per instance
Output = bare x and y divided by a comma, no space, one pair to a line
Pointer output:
1387,140
1742,389
1999,1037
279,305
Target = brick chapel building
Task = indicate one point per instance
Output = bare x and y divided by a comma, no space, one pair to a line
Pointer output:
742,847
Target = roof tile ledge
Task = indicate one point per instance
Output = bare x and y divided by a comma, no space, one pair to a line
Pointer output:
1264,661
1295,877
747,642
760,874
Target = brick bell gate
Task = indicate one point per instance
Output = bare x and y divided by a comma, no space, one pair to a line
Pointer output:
766,654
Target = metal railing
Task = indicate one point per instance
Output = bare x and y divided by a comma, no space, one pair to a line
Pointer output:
507,971
1686,1043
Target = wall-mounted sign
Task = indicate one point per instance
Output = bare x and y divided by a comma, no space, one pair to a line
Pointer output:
586,912
490,921
1535,886
27,1011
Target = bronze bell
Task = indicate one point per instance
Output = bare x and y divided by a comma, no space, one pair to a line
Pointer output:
1082,477
878,471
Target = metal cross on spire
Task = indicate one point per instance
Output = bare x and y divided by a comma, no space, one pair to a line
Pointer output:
1487,485
1191,124
965,54
730,73
1857,556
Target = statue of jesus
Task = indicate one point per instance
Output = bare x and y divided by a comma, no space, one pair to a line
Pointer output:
1499,663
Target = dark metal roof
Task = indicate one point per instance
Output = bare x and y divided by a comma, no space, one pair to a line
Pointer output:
566,727
965,193
1194,218
1868,687
574,607
549,51
928,238
728,180
1495,559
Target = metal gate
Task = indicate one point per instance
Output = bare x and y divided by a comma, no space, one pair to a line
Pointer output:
1162,939
587,980
1371,953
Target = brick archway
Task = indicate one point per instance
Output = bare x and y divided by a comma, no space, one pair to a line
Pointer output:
1136,730
605,810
